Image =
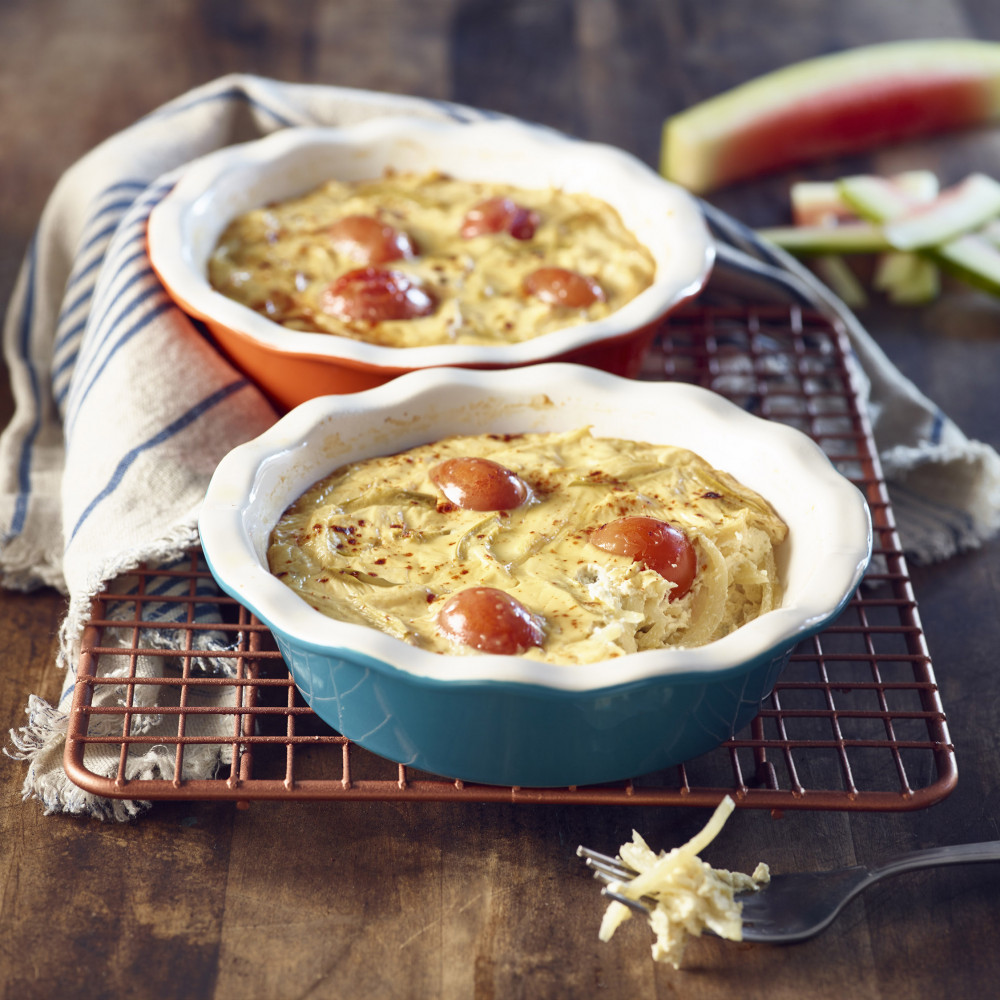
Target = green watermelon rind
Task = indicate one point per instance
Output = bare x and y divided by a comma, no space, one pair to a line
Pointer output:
971,258
848,238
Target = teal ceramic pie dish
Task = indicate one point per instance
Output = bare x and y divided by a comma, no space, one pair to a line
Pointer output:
511,720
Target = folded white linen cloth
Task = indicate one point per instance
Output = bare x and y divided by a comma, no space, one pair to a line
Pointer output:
123,407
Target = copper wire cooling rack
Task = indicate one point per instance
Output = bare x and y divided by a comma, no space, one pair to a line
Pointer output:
854,723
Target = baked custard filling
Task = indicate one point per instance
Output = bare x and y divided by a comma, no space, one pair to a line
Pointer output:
560,547
411,260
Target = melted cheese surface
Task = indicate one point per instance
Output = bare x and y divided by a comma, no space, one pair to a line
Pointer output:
278,260
376,543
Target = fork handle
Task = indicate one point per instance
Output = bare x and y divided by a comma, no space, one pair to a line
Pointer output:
957,854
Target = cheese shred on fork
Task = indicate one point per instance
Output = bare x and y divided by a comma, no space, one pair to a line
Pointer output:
690,896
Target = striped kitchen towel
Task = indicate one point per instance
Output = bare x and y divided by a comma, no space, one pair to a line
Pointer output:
123,407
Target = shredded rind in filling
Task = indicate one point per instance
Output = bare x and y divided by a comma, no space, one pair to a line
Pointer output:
376,544
689,895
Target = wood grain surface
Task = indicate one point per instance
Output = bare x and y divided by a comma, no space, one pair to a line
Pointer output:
389,900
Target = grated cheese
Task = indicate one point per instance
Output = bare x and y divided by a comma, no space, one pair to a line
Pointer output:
690,895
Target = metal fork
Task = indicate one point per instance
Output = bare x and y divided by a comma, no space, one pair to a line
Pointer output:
798,905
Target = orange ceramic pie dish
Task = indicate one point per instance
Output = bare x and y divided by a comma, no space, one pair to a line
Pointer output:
293,365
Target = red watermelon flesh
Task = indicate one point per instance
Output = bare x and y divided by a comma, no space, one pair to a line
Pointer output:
859,117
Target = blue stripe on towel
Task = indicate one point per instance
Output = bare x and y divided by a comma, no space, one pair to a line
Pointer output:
70,344
172,429
27,445
933,513
116,268
96,243
63,368
937,427
102,234
131,236
230,93
108,215
117,265
106,320
84,272
136,184
67,335
25,459
137,327
67,344
456,112
82,298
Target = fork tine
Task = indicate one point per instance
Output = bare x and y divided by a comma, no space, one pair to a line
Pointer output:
632,904
604,859
609,872
607,864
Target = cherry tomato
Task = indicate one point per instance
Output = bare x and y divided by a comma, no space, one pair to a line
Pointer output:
372,295
479,484
561,287
653,543
369,241
489,620
499,215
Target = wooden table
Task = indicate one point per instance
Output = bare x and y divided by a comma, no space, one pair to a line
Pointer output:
456,900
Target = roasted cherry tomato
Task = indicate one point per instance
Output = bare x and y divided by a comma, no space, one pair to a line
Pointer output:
489,620
372,295
561,287
479,484
369,241
655,545
499,215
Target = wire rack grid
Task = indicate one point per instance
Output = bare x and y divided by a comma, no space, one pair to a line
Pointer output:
855,722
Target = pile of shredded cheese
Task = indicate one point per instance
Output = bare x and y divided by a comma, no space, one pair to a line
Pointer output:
690,895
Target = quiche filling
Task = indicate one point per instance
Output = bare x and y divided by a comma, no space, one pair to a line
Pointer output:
410,260
561,547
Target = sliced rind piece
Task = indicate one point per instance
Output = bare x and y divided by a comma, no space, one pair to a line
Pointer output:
907,278
840,103
972,258
816,202
874,198
961,209
837,275
850,237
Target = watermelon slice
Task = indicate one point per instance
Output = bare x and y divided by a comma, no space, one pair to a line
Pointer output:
836,104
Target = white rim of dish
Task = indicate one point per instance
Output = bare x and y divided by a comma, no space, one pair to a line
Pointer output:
836,565
191,200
